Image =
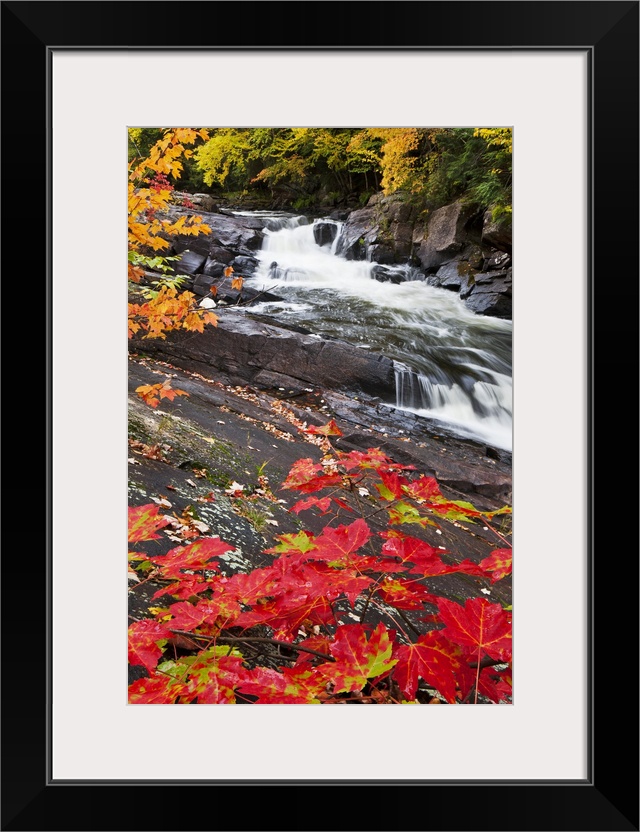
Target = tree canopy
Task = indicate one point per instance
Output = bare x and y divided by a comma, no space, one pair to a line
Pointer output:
433,165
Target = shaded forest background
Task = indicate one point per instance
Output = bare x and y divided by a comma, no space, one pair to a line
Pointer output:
314,169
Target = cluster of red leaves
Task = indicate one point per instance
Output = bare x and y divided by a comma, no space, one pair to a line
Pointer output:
159,182
315,582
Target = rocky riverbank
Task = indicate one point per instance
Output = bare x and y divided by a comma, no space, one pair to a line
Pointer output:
216,460
456,247
218,456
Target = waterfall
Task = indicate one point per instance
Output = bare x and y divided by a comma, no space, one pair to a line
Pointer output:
451,364
481,411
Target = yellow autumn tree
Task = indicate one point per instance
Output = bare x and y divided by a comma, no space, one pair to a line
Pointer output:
149,196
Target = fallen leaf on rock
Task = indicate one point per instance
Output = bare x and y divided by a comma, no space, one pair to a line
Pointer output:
206,498
234,488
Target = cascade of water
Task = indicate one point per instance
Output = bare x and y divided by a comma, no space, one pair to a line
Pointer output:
477,409
451,364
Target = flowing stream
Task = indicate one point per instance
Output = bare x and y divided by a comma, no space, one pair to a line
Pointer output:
451,364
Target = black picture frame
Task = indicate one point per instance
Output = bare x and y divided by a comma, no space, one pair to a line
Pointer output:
608,798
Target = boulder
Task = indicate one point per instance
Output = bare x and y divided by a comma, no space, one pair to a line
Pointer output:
455,276
497,234
382,232
220,255
401,234
381,253
190,262
324,233
474,255
225,293
213,268
499,281
359,232
496,259
386,274
444,235
490,294
399,210
203,202
244,266
490,303
240,235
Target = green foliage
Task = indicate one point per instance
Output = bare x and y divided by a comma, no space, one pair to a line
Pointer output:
432,165
157,264
141,140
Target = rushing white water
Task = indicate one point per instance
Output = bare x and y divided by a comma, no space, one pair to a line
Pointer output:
451,364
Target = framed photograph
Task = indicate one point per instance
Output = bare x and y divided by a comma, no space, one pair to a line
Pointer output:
563,77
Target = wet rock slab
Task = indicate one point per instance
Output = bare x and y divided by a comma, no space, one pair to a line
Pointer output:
243,348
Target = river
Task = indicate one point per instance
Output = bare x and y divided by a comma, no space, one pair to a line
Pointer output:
452,365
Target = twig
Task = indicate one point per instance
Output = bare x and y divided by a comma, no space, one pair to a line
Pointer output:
254,298
257,640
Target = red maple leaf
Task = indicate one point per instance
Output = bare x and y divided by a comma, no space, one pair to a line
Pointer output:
330,429
197,555
187,617
308,476
156,690
338,544
187,586
426,559
287,612
479,625
371,459
301,543
498,564
433,658
320,643
392,485
425,488
358,658
405,595
250,588
295,685
405,550
215,675
328,582
312,502
143,643
144,522
495,685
